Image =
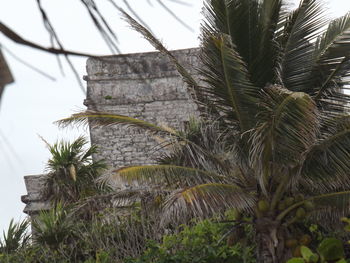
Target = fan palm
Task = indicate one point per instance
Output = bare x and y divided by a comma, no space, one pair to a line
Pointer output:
273,80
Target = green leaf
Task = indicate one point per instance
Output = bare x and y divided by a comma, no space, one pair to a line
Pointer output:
228,84
297,63
97,118
308,255
287,127
207,199
166,174
327,163
296,260
331,249
332,63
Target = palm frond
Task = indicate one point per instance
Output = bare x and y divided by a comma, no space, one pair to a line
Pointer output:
285,26
252,26
331,126
54,226
337,30
207,147
287,128
297,54
170,175
334,203
326,165
205,200
332,59
329,208
229,86
16,237
262,69
95,118
239,20
338,200
71,172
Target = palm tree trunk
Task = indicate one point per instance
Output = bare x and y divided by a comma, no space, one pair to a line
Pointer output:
270,241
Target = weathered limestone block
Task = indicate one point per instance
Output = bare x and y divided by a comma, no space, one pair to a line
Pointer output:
33,200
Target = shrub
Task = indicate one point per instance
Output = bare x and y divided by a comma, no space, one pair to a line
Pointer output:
206,242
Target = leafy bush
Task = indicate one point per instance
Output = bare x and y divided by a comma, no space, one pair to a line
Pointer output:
205,242
329,250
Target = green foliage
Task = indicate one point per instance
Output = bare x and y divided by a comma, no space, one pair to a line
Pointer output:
329,250
53,227
204,242
71,172
308,255
15,238
61,237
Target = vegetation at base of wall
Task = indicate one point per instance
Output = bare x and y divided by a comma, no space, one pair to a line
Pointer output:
206,241
200,241
15,238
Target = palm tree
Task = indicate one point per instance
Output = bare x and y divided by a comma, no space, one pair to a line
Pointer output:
15,238
53,227
278,143
72,174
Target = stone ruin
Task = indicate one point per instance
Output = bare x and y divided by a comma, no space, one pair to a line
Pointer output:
146,86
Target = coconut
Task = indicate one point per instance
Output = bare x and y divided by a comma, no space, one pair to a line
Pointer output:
281,206
291,243
300,213
309,205
305,240
263,206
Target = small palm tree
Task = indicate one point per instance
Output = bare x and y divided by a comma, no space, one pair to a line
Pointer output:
15,238
274,141
71,172
53,227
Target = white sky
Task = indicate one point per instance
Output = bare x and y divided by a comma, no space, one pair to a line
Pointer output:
33,103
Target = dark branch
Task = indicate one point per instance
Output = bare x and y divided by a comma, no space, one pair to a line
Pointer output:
9,33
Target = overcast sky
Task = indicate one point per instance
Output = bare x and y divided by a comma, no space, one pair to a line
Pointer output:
33,103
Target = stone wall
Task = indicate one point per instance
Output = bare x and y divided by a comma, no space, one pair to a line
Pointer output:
33,200
145,86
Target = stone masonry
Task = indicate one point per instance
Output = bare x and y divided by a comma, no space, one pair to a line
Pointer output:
144,86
